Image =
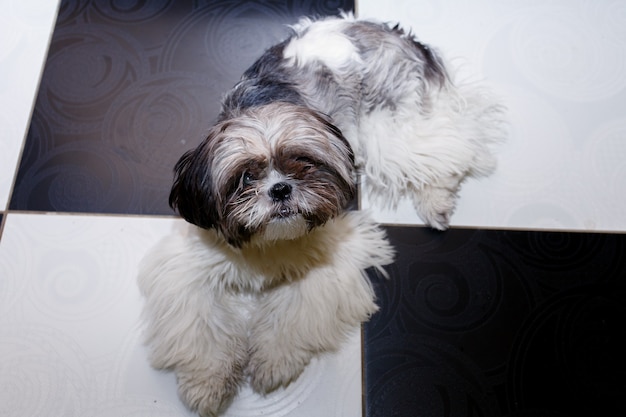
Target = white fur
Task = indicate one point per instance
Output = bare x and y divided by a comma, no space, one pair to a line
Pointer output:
455,141
429,138
278,274
216,313
323,42
285,229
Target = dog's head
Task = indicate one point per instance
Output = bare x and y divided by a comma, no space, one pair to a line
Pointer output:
272,172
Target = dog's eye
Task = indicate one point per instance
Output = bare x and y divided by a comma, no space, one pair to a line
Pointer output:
247,178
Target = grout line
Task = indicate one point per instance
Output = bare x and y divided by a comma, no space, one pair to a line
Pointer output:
363,373
383,224
508,229
32,110
88,214
5,214
2,221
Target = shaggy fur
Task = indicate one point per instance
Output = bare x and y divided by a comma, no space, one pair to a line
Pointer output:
216,313
270,272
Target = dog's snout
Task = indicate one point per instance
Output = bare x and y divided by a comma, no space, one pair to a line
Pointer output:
280,191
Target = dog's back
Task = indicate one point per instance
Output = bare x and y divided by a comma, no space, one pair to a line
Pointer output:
413,131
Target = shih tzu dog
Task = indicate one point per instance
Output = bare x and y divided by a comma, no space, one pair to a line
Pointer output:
271,269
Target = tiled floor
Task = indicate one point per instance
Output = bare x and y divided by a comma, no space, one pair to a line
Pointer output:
122,95
499,323
482,320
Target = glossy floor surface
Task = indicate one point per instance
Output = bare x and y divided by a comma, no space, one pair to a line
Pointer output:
516,311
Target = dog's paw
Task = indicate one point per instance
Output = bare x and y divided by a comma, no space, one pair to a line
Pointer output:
269,371
435,206
205,393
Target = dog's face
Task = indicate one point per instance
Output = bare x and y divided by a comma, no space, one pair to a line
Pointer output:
272,172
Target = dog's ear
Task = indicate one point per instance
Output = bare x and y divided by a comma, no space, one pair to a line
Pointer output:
346,155
192,194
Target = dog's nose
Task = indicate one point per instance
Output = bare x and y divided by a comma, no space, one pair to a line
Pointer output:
280,191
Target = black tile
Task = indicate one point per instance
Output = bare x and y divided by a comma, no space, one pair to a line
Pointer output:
127,89
499,323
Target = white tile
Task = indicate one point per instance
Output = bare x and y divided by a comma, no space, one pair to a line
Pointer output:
560,67
25,29
71,339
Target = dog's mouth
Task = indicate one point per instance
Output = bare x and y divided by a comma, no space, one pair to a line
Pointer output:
286,223
284,212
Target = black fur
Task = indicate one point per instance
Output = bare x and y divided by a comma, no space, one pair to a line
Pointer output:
263,83
191,193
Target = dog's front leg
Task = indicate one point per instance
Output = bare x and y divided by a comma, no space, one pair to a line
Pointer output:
212,362
304,318
202,337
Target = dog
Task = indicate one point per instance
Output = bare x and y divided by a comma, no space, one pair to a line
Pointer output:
270,269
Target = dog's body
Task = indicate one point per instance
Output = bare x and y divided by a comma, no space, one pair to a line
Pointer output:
413,132
218,313
274,271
